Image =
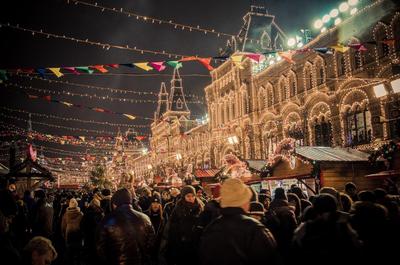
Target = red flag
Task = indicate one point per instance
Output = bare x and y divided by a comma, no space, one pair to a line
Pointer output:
206,63
140,138
48,98
100,68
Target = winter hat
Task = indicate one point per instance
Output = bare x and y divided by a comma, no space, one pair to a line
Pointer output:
187,189
234,193
122,196
280,194
73,203
325,203
256,208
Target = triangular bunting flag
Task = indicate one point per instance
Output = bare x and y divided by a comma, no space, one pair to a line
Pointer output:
254,56
48,98
66,103
32,96
159,66
287,56
3,75
98,109
206,63
56,71
85,69
100,68
41,72
129,116
389,42
323,50
113,65
340,48
175,64
187,59
140,138
237,60
130,65
72,70
82,138
143,66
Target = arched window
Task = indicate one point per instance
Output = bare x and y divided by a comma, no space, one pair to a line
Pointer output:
276,94
308,78
292,84
341,64
270,95
396,32
358,124
296,132
322,132
261,98
222,113
380,36
357,60
283,89
320,70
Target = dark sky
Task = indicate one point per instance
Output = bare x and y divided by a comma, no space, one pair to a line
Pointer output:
22,50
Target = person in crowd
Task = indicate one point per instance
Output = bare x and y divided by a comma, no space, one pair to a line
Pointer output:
89,223
281,220
39,251
8,252
42,216
155,212
145,199
106,201
265,200
71,232
125,236
257,211
346,201
165,197
201,194
183,230
169,207
370,220
212,208
326,238
294,201
20,226
235,238
351,189
366,196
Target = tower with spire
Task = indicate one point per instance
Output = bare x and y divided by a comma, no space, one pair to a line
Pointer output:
162,104
177,104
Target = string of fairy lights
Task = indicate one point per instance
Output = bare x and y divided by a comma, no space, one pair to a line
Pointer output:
90,96
101,88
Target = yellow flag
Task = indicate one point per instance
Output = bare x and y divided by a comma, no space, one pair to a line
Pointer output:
56,71
82,138
237,60
143,66
340,48
129,116
67,103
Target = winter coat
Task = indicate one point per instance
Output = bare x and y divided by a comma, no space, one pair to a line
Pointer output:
106,205
93,216
42,223
182,233
234,238
70,226
281,220
125,237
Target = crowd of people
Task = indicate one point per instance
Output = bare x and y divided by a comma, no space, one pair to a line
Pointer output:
233,224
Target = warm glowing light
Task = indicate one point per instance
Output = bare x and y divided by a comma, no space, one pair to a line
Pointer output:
323,29
326,18
318,24
353,2
291,42
396,85
299,45
353,11
334,13
338,21
343,7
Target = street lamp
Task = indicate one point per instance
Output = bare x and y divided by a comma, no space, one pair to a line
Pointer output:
178,156
334,13
233,140
343,7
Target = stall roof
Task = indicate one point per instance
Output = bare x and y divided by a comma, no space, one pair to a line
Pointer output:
206,173
329,154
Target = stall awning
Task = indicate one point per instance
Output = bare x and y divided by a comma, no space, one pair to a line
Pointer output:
329,154
385,174
206,173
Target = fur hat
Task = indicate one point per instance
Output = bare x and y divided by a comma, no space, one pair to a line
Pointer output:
234,193
73,203
121,197
187,189
256,208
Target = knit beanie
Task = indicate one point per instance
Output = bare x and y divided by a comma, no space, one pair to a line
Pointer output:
186,190
73,203
280,194
256,208
155,198
121,197
234,193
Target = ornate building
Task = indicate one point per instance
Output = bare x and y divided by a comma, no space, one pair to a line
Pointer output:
322,99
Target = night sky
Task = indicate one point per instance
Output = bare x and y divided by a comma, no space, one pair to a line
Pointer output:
23,50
